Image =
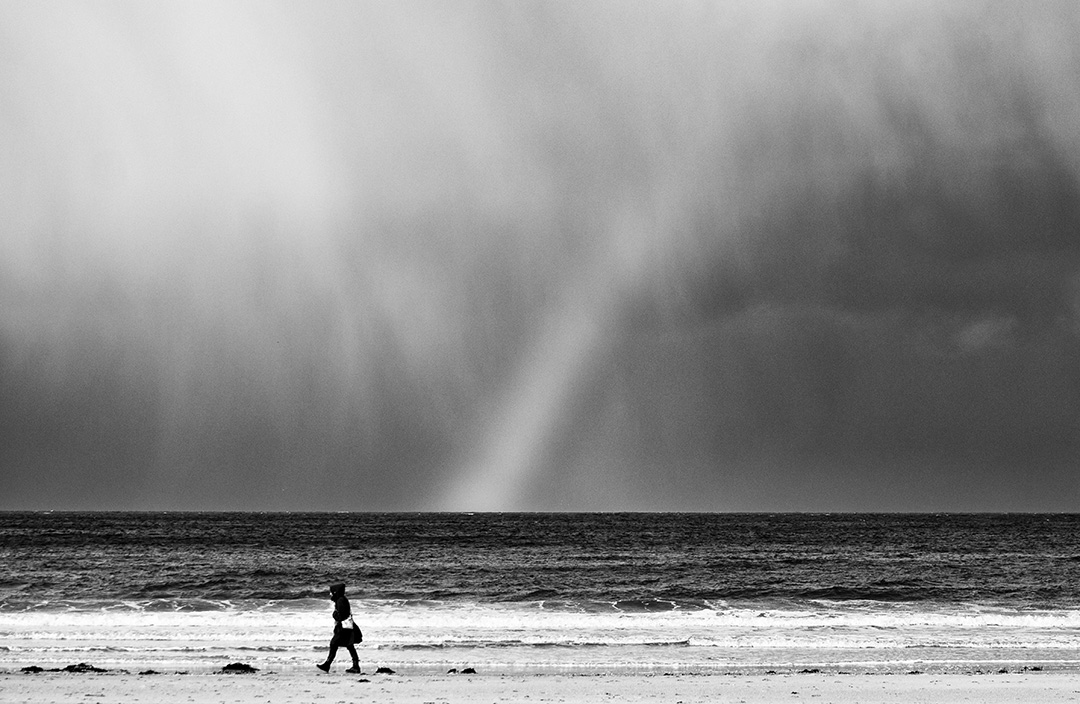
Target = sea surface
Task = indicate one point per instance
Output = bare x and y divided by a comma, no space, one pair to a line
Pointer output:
573,593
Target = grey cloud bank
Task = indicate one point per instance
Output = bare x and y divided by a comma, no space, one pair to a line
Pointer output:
732,256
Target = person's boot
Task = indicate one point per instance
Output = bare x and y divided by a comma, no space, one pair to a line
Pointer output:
355,669
324,666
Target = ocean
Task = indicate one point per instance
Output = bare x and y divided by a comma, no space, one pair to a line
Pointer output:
566,593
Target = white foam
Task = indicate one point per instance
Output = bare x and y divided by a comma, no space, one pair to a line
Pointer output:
519,636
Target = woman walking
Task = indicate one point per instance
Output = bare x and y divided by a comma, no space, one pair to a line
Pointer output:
345,631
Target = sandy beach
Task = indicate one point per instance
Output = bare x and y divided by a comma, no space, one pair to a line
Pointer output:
295,688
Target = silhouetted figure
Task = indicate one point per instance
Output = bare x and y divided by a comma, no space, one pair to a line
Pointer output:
345,631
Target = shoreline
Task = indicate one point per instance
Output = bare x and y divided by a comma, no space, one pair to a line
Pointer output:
629,670
499,688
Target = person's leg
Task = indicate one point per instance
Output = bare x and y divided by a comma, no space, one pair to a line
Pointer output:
325,667
345,639
355,658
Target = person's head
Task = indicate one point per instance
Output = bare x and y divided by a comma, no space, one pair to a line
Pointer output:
337,590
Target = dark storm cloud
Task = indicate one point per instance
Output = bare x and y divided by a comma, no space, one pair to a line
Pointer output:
713,256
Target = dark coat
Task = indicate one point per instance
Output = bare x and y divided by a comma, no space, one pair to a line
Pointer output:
342,610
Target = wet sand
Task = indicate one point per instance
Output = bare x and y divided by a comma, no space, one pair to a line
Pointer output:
289,688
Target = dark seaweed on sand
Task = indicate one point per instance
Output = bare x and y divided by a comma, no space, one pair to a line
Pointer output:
81,667
239,668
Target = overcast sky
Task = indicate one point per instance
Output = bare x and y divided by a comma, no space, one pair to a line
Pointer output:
545,256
